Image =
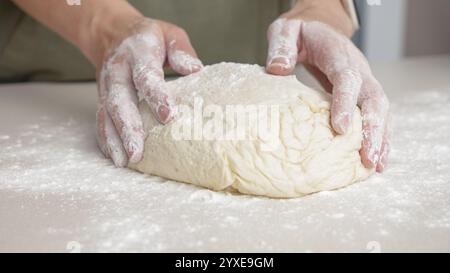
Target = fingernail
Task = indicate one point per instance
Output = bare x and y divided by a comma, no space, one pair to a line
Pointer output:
280,61
381,166
163,113
383,159
134,150
196,67
192,64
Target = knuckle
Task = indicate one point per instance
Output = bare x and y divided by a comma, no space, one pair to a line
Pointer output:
347,83
347,76
178,32
275,24
146,74
278,27
349,72
139,73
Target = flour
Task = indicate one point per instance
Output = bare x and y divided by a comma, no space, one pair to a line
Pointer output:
181,61
283,35
273,145
54,180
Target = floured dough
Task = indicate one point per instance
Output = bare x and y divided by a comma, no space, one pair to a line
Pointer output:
302,156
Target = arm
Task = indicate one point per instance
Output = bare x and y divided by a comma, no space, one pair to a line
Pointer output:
129,52
91,26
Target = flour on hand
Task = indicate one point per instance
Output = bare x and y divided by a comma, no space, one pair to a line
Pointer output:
298,153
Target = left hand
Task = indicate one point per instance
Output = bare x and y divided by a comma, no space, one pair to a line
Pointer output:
316,36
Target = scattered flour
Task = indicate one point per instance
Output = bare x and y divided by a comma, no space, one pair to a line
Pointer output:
54,179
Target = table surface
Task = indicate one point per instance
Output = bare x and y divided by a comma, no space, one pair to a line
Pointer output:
57,192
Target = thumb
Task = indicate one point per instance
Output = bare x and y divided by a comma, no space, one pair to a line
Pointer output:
180,53
283,50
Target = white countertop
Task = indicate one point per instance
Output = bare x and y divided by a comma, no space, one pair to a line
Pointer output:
57,192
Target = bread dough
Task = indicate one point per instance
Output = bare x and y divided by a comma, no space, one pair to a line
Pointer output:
302,155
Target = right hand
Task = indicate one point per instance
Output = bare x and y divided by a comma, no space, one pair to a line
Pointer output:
132,70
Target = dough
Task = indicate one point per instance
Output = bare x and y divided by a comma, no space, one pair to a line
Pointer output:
299,154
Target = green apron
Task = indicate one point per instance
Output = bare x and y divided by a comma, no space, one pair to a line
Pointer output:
220,30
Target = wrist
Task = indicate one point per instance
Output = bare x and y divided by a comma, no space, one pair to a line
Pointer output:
331,12
104,29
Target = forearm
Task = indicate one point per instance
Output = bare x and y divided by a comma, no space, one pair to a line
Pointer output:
331,12
91,26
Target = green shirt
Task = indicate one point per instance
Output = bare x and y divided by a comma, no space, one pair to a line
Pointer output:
220,30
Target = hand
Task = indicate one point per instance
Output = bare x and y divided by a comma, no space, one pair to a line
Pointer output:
133,71
341,68
129,52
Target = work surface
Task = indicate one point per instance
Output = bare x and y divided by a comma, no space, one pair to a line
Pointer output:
58,193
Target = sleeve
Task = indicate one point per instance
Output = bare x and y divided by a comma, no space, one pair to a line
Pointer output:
349,6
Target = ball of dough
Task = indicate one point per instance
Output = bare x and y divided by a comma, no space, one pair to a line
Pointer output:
239,127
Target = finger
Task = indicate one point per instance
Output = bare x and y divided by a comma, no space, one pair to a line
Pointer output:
180,53
336,57
150,84
108,139
283,50
121,105
346,88
374,108
385,147
148,75
101,130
